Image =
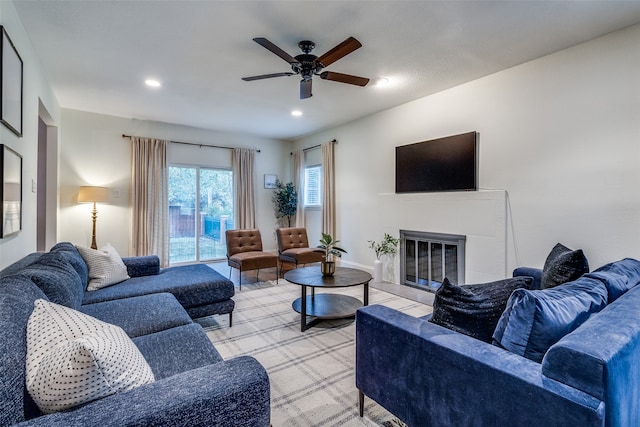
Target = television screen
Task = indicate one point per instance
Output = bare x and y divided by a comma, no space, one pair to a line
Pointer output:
443,164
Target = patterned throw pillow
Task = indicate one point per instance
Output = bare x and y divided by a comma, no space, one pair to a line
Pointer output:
73,359
105,266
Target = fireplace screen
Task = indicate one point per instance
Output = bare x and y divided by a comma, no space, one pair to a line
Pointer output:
427,258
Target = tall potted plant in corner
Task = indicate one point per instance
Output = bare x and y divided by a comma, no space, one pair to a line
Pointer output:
388,246
328,248
285,200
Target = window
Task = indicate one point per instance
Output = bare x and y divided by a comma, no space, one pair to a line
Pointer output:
313,186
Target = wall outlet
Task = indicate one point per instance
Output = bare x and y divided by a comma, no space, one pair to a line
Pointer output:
116,193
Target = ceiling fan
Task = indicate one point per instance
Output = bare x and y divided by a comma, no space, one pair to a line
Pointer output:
308,65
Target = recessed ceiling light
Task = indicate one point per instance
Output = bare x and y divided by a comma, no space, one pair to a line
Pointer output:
296,113
152,83
381,82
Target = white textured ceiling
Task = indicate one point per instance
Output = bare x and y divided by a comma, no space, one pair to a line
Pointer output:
97,53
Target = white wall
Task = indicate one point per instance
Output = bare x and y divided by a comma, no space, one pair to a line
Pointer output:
93,152
559,136
36,90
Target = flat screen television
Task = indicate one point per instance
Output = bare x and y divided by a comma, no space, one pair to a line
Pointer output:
443,164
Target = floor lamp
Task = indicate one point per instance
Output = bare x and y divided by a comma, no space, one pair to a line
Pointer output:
93,195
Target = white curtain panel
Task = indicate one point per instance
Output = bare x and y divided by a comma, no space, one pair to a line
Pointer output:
328,189
298,181
242,164
150,205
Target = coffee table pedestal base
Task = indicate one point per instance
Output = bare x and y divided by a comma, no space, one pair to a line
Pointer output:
324,306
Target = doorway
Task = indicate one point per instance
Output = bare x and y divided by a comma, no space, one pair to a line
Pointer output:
45,185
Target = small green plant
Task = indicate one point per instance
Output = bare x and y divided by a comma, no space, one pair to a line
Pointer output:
285,200
328,247
388,246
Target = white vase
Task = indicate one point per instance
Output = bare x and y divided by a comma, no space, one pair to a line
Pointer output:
377,271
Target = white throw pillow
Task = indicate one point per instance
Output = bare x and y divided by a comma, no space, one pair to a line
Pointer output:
105,266
73,358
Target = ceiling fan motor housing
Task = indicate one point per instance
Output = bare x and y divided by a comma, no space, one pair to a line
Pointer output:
306,65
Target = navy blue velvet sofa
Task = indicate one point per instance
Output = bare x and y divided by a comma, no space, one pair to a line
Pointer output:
428,375
194,386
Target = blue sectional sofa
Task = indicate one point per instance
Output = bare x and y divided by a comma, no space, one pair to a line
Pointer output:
193,385
429,375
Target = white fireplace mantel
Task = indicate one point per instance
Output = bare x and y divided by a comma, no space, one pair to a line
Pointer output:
481,216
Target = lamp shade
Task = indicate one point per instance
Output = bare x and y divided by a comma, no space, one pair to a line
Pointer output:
93,194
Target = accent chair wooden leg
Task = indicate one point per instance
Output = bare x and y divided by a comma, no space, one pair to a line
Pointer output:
240,276
361,402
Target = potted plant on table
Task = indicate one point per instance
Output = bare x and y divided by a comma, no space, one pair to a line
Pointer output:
328,248
388,246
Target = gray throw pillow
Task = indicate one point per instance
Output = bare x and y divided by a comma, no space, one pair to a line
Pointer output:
474,310
563,265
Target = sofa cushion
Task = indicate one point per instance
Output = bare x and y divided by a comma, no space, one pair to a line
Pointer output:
21,264
71,254
618,277
17,294
74,359
105,267
563,265
177,350
140,315
601,359
192,285
57,278
535,320
474,310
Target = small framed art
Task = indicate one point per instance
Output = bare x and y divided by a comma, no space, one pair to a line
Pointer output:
11,164
270,181
11,85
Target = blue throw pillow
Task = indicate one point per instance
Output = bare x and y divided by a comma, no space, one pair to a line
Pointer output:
563,265
474,310
535,320
618,277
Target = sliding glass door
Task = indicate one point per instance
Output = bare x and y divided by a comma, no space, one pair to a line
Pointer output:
200,210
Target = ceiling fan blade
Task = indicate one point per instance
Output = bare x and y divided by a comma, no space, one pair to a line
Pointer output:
275,49
344,78
305,89
341,50
266,76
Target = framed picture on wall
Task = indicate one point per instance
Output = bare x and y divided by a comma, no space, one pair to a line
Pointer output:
11,87
270,181
11,164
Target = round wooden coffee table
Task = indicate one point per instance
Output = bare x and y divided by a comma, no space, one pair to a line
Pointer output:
327,306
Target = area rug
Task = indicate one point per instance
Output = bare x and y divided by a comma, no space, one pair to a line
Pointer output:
312,373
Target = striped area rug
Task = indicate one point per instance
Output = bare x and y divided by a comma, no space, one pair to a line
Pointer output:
312,373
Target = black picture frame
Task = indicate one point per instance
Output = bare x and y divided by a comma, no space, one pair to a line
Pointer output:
11,84
11,191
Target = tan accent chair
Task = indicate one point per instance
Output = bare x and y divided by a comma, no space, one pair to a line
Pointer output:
293,246
244,252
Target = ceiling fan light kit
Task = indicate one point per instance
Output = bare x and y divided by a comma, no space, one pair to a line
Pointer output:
308,65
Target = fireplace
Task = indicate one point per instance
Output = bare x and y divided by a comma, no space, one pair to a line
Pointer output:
427,258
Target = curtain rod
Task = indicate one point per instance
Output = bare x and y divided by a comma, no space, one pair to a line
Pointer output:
193,143
316,146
